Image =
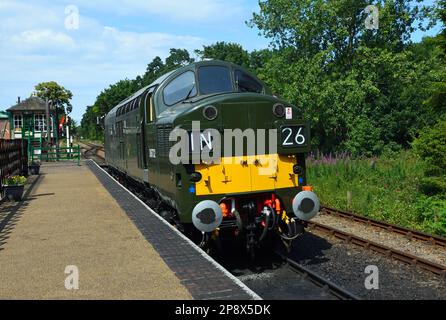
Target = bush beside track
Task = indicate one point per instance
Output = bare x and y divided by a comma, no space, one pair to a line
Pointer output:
385,188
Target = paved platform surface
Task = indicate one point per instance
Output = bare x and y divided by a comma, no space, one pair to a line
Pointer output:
68,218
81,216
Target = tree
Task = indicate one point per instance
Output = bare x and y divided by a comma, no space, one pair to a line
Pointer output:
312,26
178,58
361,89
153,69
230,52
258,59
59,96
437,100
430,144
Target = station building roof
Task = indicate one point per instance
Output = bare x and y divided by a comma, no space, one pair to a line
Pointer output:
30,104
3,115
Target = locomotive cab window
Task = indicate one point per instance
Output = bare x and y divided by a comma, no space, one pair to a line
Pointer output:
148,107
181,88
214,79
246,83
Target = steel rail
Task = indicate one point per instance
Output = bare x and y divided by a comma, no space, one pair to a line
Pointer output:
94,145
90,147
318,280
408,233
379,248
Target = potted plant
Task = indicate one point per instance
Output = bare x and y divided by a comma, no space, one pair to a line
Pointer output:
34,168
14,186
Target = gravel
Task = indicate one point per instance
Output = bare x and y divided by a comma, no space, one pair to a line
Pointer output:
342,263
393,240
345,264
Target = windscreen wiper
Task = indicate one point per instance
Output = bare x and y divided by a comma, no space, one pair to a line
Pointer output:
190,92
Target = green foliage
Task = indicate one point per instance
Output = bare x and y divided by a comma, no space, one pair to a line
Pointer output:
312,26
57,94
14,181
231,52
432,186
431,147
441,14
361,89
383,188
433,213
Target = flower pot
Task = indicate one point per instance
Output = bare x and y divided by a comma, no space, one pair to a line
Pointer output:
33,169
14,193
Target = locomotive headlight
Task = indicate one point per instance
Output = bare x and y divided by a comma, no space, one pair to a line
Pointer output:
306,205
210,113
298,169
195,177
207,216
279,110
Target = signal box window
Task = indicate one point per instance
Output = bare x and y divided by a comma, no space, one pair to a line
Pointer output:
39,122
214,79
246,83
18,121
181,88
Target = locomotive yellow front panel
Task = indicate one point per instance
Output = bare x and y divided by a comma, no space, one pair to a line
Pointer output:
247,174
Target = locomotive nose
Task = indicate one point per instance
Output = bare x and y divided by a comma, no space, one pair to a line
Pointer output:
306,205
207,216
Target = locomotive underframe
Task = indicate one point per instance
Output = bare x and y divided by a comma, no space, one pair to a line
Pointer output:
245,224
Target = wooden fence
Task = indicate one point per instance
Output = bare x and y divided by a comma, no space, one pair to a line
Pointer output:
13,158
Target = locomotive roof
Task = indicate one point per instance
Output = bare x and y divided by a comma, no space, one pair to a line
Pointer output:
164,77
141,91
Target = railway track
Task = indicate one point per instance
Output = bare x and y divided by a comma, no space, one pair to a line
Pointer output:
93,151
408,233
388,251
319,281
276,275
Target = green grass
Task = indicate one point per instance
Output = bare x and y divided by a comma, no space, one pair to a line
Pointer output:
386,189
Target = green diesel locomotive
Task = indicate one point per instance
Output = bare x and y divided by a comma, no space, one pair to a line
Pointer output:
224,156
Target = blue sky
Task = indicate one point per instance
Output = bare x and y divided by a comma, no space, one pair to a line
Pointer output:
115,40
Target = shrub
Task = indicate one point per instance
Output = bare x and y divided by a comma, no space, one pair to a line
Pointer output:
431,147
384,188
432,186
15,180
432,212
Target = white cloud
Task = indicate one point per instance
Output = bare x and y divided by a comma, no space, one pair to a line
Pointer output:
130,45
42,39
190,11
16,15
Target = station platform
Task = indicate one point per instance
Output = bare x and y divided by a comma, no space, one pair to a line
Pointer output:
80,216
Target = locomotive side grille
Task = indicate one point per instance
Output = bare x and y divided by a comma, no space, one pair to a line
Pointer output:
164,144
